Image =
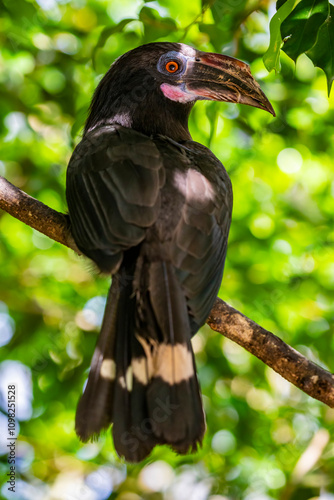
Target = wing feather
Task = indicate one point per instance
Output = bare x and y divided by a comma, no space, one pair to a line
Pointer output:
199,241
114,181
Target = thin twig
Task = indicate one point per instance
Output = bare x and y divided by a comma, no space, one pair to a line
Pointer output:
195,21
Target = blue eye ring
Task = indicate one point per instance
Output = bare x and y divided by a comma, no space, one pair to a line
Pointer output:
172,63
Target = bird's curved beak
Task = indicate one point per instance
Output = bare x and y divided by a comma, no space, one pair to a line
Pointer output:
222,78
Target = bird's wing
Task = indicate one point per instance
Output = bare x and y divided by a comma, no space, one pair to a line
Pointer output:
113,192
202,269
199,241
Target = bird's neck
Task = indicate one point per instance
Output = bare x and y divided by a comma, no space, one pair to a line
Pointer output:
158,116
148,113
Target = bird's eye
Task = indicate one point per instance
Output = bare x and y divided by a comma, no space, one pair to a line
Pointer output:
172,66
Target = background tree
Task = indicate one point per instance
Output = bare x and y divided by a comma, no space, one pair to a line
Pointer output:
261,430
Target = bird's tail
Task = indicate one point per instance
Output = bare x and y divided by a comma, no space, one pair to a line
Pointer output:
143,376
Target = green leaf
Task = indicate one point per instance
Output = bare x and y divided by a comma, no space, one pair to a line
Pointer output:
225,15
227,20
107,32
279,3
301,27
155,26
322,52
271,58
218,37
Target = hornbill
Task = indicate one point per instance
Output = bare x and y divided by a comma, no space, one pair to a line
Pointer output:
152,208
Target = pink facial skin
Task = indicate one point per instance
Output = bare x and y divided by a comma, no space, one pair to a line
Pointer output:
177,94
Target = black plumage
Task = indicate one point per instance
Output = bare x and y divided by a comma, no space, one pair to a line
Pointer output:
153,209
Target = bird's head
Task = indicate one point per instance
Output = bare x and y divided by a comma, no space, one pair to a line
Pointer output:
153,88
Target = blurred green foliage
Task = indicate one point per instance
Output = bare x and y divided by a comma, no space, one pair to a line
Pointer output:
265,439
303,27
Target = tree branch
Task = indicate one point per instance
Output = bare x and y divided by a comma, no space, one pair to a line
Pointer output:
289,363
35,214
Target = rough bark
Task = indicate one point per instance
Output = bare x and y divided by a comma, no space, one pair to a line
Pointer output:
289,363
35,214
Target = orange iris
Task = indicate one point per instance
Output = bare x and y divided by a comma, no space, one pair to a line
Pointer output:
172,66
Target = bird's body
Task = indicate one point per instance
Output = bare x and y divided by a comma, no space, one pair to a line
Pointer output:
152,208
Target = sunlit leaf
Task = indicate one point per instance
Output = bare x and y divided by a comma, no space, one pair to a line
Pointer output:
279,3
322,52
271,58
299,30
